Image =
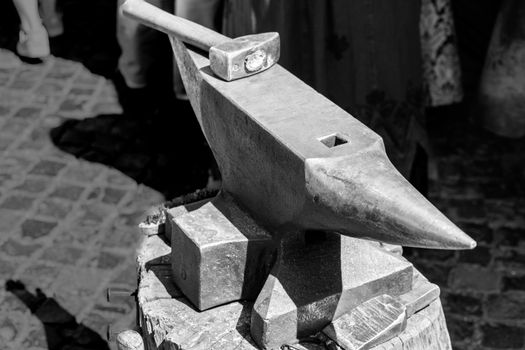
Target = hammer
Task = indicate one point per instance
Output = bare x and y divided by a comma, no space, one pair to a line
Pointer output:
230,59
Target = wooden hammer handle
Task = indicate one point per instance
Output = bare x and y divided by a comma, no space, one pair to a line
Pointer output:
184,30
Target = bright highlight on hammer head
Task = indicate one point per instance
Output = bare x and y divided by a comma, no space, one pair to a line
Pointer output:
245,56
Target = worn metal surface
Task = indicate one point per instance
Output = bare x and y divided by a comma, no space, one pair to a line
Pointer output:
373,322
169,321
293,158
220,254
313,283
129,340
230,59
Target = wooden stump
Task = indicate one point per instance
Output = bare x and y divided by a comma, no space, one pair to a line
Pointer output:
169,321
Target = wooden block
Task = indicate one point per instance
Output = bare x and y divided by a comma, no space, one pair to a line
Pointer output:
371,323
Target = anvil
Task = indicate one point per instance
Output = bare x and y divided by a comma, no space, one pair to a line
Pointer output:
295,159
296,162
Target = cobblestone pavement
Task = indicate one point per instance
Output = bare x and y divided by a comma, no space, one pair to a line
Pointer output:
479,182
68,226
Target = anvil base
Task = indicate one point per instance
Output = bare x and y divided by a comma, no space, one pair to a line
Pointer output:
168,320
314,282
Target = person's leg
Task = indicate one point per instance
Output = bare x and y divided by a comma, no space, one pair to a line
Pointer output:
52,18
200,11
33,41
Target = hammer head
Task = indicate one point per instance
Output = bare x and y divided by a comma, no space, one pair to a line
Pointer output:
245,56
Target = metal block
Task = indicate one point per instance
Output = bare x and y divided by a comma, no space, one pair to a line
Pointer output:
219,254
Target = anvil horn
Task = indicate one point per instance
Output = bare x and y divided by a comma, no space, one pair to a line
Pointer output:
365,196
295,159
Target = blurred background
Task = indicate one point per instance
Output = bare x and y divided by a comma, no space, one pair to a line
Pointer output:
95,129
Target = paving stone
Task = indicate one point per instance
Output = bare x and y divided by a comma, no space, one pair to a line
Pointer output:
510,236
36,338
78,236
462,305
62,254
13,127
33,185
514,283
480,256
116,178
503,337
50,87
9,220
28,113
7,269
54,208
47,168
5,142
72,104
476,279
81,91
511,260
107,260
17,202
460,329
92,215
113,195
114,237
32,228
68,191
506,306
16,249
82,172
40,275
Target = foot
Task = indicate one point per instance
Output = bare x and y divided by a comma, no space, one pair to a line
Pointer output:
34,44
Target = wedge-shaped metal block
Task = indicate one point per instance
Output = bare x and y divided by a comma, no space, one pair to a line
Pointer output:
374,322
312,284
219,254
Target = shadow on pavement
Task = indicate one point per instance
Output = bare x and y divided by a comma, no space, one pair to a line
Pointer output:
166,152
62,330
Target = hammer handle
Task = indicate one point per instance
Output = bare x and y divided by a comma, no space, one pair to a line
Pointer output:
184,30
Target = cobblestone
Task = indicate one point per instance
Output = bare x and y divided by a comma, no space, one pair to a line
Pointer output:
59,213
480,187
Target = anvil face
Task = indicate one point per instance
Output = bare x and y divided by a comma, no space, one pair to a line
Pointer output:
294,158
245,56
